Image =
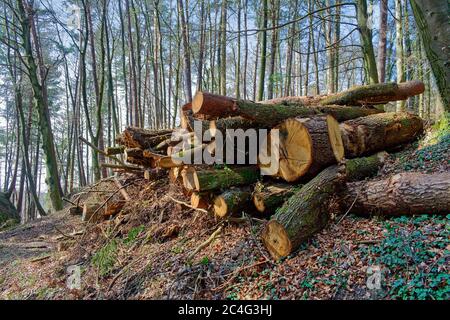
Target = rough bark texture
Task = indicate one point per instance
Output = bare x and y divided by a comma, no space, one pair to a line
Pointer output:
133,137
302,215
379,132
432,18
136,156
110,151
7,210
376,93
268,197
204,180
307,211
232,202
267,115
402,194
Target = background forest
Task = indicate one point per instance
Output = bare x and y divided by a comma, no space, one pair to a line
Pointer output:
71,69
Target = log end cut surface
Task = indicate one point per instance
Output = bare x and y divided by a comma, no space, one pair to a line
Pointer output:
295,150
197,102
276,240
334,132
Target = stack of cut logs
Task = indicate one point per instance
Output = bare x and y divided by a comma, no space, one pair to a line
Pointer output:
328,145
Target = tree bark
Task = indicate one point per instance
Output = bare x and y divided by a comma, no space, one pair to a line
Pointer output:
399,61
7,210
366,41
375,94
213,179
379,132
232,202
268,197
432,18
212,106
402,194
307,211
382,41
41,105
133,137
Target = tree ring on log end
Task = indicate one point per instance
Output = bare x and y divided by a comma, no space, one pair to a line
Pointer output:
197,102
276,240
334,132
258,201
295,150
220,207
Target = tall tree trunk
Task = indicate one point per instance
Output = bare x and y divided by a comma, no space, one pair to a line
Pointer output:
432,18
223,48
41,104
366,41
399,49
186,52
273,50
382,41
262,68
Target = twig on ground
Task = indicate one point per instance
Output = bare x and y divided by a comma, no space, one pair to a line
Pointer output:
206,243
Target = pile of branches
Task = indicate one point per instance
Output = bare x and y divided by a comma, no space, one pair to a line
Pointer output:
328,145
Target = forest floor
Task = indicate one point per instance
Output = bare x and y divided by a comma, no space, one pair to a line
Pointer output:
144,252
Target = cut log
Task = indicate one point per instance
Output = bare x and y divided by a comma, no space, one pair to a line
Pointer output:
136,156
264,115
174,174
232,202
268,197
121,167
154,174
297,100
402,194
133,137
306,145
307,210
379,132
174,139
110,151
185,157
233,123
200,200
375,93
212,179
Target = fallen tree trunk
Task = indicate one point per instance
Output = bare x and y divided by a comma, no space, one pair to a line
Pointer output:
133,137
136,156
307,211
214,106
402,194
111,151
306,145
268,197
200,200
373,94
120,167
379,132
297,100
232,201
212,179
